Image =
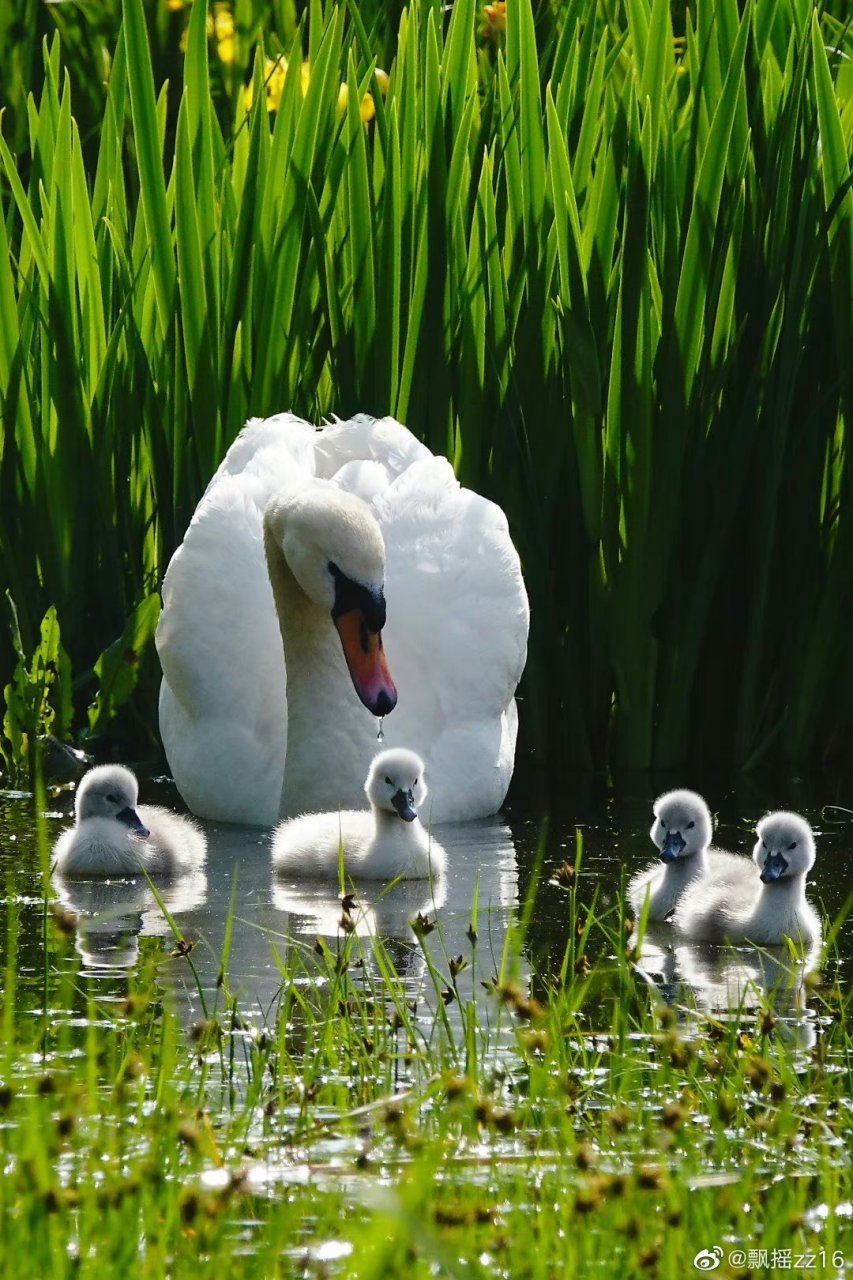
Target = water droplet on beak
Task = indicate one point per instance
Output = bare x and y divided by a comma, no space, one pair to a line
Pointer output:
380,735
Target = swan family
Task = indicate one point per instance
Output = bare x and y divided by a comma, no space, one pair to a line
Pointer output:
711,895
338,590
708,894
341,606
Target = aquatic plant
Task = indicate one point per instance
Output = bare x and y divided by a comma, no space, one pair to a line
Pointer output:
600,259
385,1111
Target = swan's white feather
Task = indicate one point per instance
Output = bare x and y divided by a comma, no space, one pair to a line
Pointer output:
103,847
455,637
741,907
378,845
311,845
665,886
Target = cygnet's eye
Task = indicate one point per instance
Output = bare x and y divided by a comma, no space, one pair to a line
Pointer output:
415,783
690,826
792,846
112,799
388,780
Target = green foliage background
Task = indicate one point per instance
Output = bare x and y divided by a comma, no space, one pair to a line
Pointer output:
603,260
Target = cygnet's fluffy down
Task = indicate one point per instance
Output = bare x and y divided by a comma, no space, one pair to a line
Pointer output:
682,831
763,907
387,843
111,836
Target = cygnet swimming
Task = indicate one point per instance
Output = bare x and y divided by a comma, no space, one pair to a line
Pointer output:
112,837
764,907
682,830
386,843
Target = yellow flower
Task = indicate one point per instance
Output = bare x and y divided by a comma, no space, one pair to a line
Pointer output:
275,70
495,15
382,79
367,107
225,49
174,6
223,22
305,77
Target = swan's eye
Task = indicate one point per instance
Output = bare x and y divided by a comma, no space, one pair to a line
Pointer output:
415,783
112,799
792,846
390,783
690,826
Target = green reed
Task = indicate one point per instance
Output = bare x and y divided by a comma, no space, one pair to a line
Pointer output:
602,262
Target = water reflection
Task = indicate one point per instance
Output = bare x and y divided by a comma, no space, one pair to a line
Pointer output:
490,863
272,915
721,979
109,916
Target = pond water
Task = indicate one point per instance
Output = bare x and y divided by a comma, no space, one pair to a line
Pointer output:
492,868
500,871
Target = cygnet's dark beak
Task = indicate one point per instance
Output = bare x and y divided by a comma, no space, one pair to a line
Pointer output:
672,846
774,867
131,819
403,802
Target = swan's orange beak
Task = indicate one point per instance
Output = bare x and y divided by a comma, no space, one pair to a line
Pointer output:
365,658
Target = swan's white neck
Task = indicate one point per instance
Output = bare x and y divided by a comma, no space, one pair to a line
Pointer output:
785,894
321,702
398,846
682,871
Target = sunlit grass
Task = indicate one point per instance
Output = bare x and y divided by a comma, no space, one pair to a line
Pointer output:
550,1124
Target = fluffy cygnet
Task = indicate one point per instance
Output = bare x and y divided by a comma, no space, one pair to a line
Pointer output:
111,837
764,908
682,830
384,844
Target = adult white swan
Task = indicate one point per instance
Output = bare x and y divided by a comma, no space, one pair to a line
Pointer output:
274,640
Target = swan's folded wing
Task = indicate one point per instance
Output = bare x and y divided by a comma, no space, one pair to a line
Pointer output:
223,716
364,439
269,446
456,635
454,576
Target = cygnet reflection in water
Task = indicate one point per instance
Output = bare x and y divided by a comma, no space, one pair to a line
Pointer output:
313,910
272,912
726,980
111,915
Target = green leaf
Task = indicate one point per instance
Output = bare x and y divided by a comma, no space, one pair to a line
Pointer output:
118,666
146,134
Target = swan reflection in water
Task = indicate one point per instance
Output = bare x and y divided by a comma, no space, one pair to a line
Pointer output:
272,915
110,915
722,979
